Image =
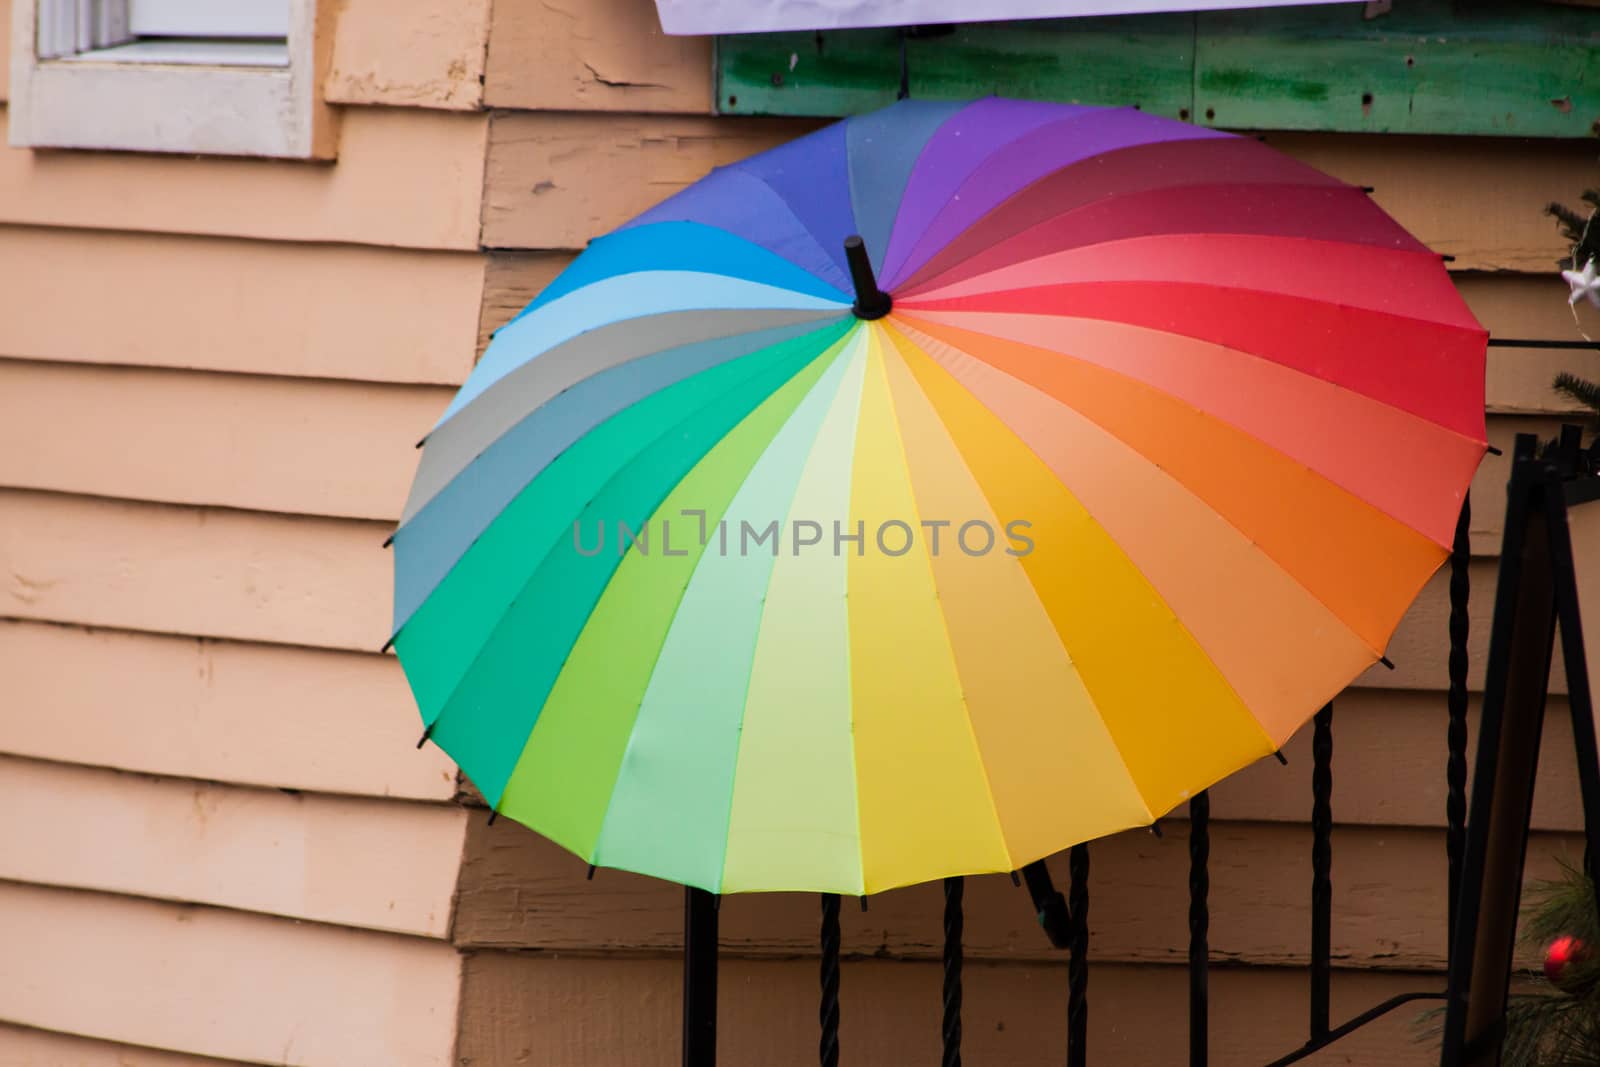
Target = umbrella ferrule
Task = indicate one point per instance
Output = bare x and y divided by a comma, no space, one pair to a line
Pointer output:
871,302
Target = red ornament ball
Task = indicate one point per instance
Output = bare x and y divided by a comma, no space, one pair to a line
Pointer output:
1559,959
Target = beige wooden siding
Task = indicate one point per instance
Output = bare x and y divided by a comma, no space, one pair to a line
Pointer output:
216,710
587,110
224,983
405,177
342,860
218,839
563,1010
1388,902
316,447
250,576
362,313
22,1047
1453,193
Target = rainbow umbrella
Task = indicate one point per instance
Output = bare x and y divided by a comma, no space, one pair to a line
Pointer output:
723,569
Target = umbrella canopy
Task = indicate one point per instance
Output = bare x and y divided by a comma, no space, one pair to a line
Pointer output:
708,576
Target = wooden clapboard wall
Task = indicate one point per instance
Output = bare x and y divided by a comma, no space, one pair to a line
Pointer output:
561,970
217,840
211,374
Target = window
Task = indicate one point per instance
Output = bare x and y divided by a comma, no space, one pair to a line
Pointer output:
193,76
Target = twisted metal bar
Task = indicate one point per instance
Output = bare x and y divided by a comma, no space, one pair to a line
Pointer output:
953,922
1199,927
699,978
1455,769
828,1047
1078,964
1321,868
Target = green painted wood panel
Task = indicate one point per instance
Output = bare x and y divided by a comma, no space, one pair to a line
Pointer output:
1531,70
1485,67
1147,61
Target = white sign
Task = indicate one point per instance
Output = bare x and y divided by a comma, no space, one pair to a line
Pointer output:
759,16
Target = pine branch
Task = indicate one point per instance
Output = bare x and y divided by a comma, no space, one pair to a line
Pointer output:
1579,229
1570,222
1559,1028
1577,389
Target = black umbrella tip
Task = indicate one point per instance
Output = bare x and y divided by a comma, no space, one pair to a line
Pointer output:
871,302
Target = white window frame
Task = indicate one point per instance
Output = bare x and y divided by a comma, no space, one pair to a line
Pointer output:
70,88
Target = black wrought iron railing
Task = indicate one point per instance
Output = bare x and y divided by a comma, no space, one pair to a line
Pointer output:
1064,919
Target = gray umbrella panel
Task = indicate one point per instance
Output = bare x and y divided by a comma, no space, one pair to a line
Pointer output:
476,462
459,440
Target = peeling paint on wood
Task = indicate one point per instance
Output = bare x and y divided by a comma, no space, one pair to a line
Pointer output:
410,53
511,280
1480,200
594,55
1429,66
1146,62
541,191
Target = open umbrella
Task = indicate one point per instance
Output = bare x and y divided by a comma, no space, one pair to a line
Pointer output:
731,565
